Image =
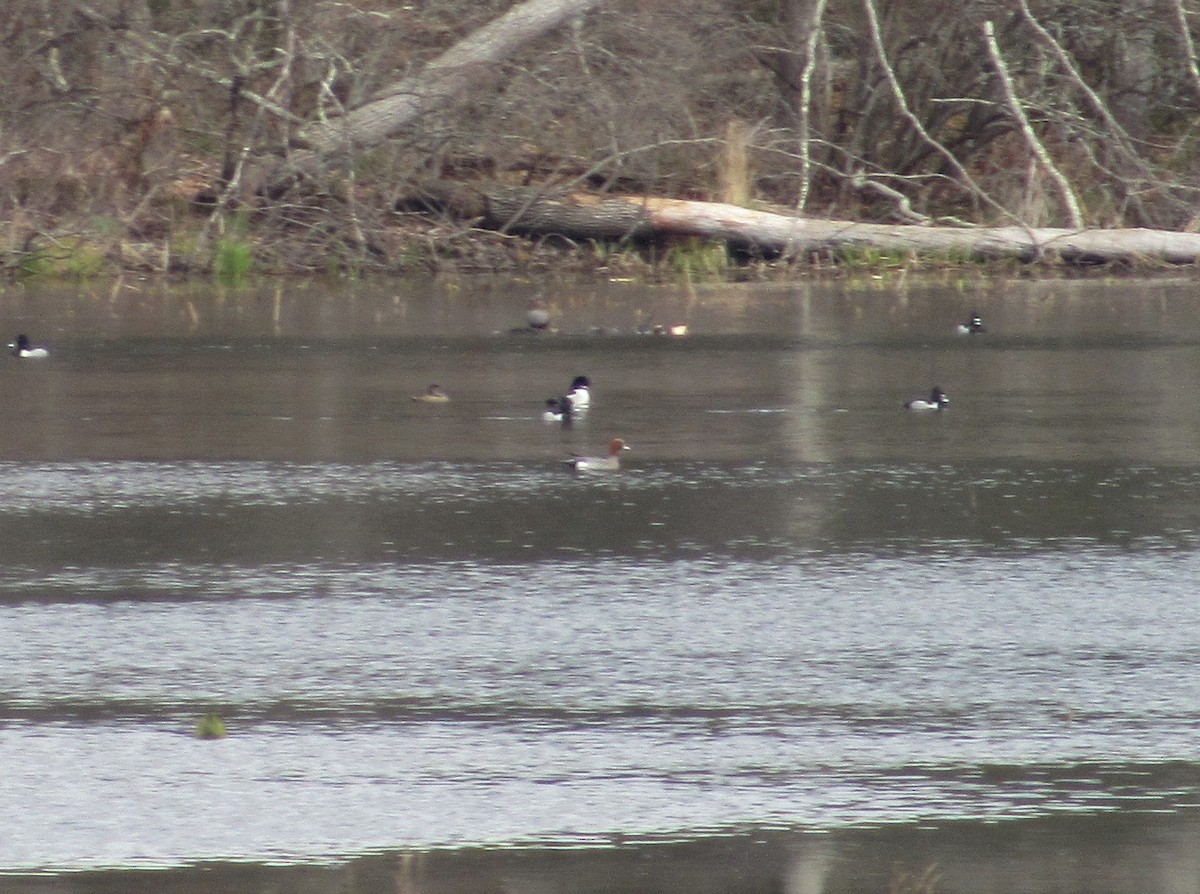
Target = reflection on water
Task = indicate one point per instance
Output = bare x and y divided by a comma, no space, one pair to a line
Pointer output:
798,612
1066,372
1121,853
128,514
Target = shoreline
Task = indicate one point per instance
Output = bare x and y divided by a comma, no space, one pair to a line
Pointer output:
257,257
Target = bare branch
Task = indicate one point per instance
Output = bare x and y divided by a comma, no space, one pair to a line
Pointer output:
1066,193
902,104
234,182
445,78
1117,132
903,204
1189,46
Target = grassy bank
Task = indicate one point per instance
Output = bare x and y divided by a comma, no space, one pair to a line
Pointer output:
243,251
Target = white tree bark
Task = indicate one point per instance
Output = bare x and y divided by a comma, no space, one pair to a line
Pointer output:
1065,192
807,26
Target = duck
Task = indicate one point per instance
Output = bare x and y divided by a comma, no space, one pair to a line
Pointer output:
432,395
675,330
973,326
537,316
580,396
22,348
937,400
537,319
558,409
610,463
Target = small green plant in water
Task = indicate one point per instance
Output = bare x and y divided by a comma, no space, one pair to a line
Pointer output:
235,259
211,726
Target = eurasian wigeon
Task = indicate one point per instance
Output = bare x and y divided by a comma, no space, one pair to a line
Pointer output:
610,463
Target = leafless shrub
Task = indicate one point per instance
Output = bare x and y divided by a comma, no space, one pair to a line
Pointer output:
166,118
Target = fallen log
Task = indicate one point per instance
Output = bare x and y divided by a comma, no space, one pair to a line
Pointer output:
582,216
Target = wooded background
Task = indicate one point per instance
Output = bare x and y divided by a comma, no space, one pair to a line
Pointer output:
147,133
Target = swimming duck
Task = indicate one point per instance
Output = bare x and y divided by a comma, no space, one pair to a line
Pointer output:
22,348
557,410
433,395
579,395
676,330
610,463
537,316
537,319
973,326
937,400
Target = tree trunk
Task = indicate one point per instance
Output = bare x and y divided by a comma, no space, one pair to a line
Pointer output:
445,79
586,217
803,22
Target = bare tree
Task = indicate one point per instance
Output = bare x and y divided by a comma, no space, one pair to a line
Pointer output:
443,80
146,127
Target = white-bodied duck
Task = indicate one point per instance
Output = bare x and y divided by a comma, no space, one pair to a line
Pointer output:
580,394
610,463
937,400
22,348
558,409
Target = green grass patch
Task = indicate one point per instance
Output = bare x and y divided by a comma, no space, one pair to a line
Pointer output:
700,259
64,259
865,257
234,259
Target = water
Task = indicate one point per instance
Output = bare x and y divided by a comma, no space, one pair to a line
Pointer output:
798,610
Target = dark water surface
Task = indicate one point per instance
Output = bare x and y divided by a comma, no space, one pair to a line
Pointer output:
803,641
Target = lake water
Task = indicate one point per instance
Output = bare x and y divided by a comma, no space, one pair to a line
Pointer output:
804,640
